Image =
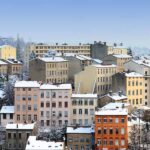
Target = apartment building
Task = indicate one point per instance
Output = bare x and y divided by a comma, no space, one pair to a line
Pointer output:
17,135
80,138
15,67
7,51
95,79
100,49
27,101
119,60
40,49
111,127
49,70
55,104
83,109
3,68
141,66
6,115
132,85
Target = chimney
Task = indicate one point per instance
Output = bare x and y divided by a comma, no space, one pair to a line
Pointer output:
120,93
110,93
105,43
123,106
95,42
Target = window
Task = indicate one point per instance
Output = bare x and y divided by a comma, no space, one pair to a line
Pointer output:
85,102
47,104
80,121
105,141
53,104
66,113
122,142
29,98
42,94
23,89
35,107
74,111
99,142
42,113
99,131
18,117
128,92
105,131
23,107
53,94
42,122
53,113
29,117
116,142
91,111
18,107
14,135
47,94
136,101
80,102
117,120
66,104
110,120
122,131
24,117
35,97
42,104
117,131
146,84
47,122
80,111
4,116
11,116
86,111
19,135
105,120
86,122
23,98
18,97
29,107
99,120
9,135
122,120
111,142
28,134
91,102
59,104
110,131
29,89
35,117
145,97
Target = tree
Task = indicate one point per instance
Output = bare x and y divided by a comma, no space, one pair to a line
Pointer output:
9,93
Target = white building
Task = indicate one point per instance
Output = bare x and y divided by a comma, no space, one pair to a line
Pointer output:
83,109
7,115
34,144
55,105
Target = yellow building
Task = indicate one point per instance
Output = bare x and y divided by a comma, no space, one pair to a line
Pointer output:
7,51
117,50
118,59
132,85
40,49
49,70
3,67
95,79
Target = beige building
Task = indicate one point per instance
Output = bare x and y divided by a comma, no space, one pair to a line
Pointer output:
80,138
132,85
83,109
119,60
3,67
27,101
17,135
49,70
7,51
95,79
14,67
6,115
55,104
40,49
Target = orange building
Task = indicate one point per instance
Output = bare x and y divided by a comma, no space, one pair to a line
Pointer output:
111,127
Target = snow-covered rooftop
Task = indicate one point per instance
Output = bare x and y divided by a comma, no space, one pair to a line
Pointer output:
84,130
133,120
122,56
20,126
2,62
13,61
145,62
82,57
52,59
56,87
7,109
84,95
113,109
5,45
116,96
133,74
104,66
34,144
27,84
97,61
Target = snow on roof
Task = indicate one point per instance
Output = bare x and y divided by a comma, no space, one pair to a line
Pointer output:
27,84
113,109
2,62
104,66
122,56
133,74
7,109
84,130
97,61
145,62
34,144
82,57
1,94
116,96
13,61
52,59
5,45
56,87
20,126
134,121
84,95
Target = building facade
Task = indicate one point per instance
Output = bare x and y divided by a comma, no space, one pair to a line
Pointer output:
3,68
111,128
95,79
27,101
49,70
55,103
83,109
7,51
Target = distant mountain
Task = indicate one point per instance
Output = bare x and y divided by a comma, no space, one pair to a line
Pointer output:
140,51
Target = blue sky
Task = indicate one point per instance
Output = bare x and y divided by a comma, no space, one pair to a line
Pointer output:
75,21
